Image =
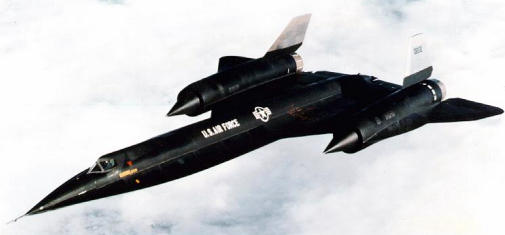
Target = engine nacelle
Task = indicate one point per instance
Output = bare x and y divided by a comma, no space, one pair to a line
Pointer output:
200,96
390,112
407,124
397,106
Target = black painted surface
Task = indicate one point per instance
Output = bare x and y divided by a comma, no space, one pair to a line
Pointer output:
300,104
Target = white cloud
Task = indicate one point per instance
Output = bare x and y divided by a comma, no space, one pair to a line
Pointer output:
83,78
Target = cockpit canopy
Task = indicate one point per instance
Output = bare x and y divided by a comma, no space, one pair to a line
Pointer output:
102,165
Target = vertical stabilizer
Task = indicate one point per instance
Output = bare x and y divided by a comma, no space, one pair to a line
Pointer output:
418,58
291,37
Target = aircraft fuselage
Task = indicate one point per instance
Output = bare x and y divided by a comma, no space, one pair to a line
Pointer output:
308,104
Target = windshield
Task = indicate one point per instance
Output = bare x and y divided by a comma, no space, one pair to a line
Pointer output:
102,165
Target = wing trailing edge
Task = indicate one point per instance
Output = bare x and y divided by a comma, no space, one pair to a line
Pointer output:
458,110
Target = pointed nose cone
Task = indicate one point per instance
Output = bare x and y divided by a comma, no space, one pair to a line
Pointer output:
187,105
71,192
341,144
39,208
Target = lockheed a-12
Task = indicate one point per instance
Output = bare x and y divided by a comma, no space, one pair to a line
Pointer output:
254,102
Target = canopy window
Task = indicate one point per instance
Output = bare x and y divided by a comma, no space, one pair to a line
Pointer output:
102,166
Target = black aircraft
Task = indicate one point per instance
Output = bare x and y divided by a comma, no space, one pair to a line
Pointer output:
254,102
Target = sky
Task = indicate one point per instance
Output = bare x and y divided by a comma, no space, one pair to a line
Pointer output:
82,78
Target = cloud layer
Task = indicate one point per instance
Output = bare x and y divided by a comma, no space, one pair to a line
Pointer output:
83,78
